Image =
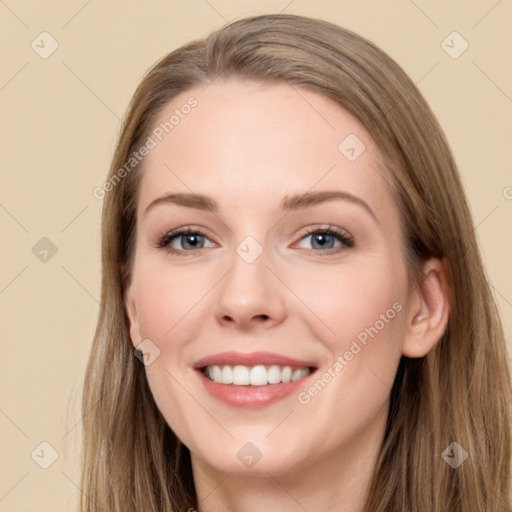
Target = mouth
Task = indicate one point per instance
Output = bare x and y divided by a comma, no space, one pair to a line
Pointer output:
253,381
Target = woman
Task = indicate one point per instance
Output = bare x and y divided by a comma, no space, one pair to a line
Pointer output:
288,252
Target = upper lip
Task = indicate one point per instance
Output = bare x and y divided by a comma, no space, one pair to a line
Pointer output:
251,359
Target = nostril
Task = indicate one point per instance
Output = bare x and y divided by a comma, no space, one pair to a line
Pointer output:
256,318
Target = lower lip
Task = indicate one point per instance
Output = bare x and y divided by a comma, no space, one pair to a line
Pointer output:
252,397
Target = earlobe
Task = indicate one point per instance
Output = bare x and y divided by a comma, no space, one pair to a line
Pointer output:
430,310
131,311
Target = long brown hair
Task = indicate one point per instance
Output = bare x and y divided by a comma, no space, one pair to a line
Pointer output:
460,392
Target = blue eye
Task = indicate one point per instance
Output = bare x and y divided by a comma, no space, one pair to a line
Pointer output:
325,240
190,241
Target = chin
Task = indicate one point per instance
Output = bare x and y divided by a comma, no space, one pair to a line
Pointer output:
256,458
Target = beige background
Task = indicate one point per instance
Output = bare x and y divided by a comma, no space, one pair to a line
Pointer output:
60,118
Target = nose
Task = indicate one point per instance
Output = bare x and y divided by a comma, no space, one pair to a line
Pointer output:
250,295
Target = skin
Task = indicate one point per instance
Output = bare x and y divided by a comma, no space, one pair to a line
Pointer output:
248,146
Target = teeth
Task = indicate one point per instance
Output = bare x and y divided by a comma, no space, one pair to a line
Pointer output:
227,375
286,374
240,376
256,375
297,374
274,374
216,374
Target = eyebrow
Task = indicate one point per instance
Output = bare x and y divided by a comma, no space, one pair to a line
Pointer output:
289,203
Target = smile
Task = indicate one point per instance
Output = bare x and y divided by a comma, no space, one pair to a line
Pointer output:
253,380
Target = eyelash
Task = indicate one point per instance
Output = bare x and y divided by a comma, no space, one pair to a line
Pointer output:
166,239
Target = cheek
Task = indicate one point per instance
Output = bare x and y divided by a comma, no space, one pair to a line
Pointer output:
169,302
362,308
362,313
351,299
168,299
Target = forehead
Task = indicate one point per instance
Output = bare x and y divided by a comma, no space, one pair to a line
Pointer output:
255,143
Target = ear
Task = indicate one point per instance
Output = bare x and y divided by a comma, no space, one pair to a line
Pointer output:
429,310
131,311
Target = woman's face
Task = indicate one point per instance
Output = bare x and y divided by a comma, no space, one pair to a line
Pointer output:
258,290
